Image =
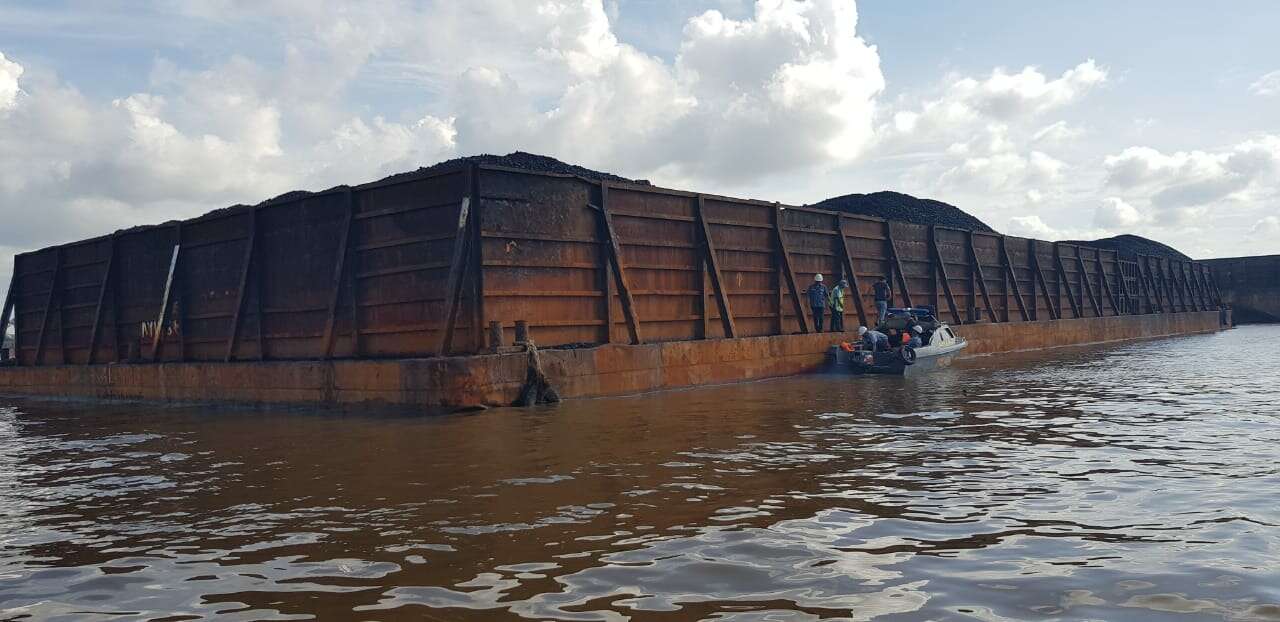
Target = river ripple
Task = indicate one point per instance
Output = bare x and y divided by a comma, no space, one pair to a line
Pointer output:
1131,482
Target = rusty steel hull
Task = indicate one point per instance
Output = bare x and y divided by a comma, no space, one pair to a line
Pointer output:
497,379
420,266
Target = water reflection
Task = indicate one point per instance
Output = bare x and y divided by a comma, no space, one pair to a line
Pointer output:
1129,482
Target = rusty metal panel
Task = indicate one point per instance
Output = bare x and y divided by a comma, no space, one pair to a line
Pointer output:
298,247
542,256
143,263
208,276
986,248
661,248
34,274
953,249
1049,271
534,251
1020,262
402,240
744,239
869,254
917,266
83,270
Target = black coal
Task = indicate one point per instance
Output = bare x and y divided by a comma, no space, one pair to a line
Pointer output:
904,207
1129,246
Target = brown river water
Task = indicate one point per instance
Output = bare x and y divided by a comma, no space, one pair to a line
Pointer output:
1128,482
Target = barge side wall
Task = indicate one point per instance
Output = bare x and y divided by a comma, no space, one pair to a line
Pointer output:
496,379
398,269
1251,285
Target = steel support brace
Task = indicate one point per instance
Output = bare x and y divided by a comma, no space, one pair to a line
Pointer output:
1149,292
343,251
788,272
102,297
245,267
609,291
457,270
940,268
1007,266
163,317
9,302
48,305
615,255
1217,293
846,258
1102,279
1157,294
1066,283
727,325
896,266
981,279
1087,284
1038,274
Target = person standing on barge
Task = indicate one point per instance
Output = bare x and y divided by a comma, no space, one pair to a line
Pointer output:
837,306
883,294
817,294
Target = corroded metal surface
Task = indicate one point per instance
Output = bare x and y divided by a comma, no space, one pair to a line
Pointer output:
397,269
497,379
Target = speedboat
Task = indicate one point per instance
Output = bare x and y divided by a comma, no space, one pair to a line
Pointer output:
940,345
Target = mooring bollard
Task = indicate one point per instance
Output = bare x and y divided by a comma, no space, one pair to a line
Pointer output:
495,335
522,331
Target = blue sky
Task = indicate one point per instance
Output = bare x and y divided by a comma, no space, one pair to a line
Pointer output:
1058,120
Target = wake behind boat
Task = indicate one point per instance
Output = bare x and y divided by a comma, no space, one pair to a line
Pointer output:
894,354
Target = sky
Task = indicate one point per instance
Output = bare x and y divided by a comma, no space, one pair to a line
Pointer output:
1051,120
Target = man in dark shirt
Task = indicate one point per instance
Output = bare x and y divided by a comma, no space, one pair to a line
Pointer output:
883,294
873,340
817,294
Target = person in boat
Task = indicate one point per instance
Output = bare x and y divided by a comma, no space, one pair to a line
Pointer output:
836,300
883,294
817,294
913,329
873,340
912,336
895,338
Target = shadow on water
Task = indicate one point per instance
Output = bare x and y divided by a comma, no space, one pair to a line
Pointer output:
1129,482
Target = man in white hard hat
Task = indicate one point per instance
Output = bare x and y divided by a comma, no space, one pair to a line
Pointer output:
817,294
913,336
873,340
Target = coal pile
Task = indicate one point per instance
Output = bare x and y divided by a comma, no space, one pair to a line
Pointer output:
904,207
1129,246
516,159
525,162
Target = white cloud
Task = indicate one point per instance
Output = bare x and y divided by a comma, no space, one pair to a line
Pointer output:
1056,133
1031,227
1267,227
1004,98
788,87
1115,213
10,71
775,97
380,148
992,140
1179,184
1009,96
1267,85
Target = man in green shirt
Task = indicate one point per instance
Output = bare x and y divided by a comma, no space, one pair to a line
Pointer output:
836,303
